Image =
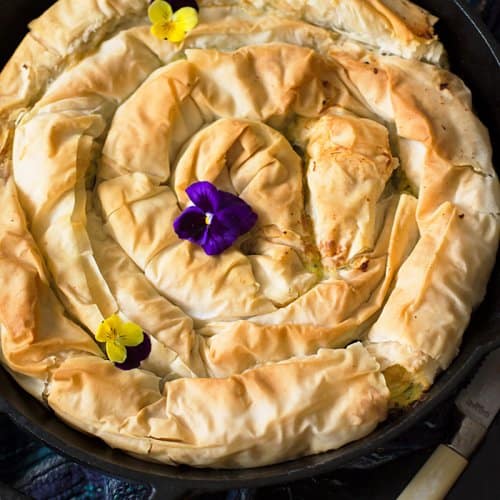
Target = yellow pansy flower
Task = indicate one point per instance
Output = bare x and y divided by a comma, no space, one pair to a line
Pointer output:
169,25
118,335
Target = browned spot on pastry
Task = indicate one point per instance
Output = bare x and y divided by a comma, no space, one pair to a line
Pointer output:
461,216
423,30
328,248
331,249
375,70
443,85
427,35
364,266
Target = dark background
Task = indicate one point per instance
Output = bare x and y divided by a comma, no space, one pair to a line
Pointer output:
35,470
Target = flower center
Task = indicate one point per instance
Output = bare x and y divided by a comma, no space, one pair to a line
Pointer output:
208,218
112,335
167,25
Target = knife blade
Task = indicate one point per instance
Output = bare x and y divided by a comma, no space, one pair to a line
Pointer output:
479,402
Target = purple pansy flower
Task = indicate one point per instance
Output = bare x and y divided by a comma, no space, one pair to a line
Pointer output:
177,4
136,354
215,220
126,342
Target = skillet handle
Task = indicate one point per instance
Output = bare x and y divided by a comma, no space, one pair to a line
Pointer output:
436,477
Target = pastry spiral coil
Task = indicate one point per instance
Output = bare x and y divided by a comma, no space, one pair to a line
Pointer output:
377,226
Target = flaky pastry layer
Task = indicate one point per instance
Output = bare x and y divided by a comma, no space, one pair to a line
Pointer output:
377,226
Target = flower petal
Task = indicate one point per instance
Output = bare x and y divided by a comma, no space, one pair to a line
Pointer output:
239,217
169,31
217,219
130,334
178,4
135,355
226,200
103,331
160,12
163,31
186,18
114,322
218,238
190,225
108,326
116,352
204,195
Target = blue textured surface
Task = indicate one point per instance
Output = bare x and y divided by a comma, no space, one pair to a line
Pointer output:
38,472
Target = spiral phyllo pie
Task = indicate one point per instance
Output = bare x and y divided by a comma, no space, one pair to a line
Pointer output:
243,243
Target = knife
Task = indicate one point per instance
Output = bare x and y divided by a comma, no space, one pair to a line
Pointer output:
479,402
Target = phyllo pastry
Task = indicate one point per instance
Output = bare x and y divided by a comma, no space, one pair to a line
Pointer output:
238,234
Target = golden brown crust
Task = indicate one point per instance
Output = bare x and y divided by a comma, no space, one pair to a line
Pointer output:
378,219
24,77
37,336
85,23
270,420
392,26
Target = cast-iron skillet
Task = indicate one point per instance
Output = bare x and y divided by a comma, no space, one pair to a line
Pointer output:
474,56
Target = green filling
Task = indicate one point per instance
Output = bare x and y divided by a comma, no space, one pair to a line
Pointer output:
405,387
401,183
314,266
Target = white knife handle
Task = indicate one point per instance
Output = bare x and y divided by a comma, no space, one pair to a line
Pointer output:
436,477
